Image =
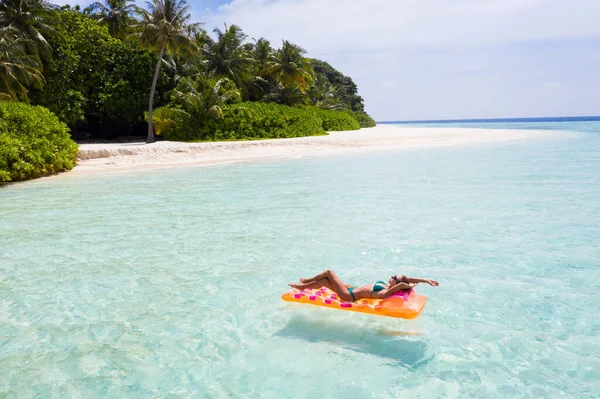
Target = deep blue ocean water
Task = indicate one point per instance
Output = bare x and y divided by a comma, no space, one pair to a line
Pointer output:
585,124
554,122
167,283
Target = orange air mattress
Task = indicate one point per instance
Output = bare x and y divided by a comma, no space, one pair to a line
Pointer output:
406,305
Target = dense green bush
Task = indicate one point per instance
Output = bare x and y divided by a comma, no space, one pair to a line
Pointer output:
248,121
362,118
336,121
174,122
33,142
252,121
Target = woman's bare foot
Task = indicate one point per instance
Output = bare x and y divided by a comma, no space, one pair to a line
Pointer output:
297,286
304,280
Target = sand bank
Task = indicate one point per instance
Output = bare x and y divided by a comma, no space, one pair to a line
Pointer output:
132,156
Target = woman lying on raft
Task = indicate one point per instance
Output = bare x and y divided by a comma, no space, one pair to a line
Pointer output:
347,292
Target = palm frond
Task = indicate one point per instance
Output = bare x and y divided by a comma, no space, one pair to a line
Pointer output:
19,70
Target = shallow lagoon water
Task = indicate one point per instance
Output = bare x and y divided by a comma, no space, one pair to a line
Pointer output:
168,282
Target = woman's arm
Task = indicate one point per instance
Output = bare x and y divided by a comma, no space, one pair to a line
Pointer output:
423,280
389,291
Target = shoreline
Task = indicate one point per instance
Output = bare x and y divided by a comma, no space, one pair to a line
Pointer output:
118,157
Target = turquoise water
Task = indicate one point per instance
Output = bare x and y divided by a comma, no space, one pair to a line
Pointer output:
168,282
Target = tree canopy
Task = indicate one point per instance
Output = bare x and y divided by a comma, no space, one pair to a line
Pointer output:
103,69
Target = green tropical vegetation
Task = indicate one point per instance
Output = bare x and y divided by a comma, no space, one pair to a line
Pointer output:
251,121
33,142
103,70
32,19
115,14
18,68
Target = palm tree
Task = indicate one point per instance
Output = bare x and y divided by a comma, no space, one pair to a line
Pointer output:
258,84
28,18
204,97
289,67
324,95
115,13
287,95
200,36
262,52
163,26
18,69
191,63
177,67
229,55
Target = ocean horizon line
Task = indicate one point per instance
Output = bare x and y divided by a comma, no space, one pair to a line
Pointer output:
500,120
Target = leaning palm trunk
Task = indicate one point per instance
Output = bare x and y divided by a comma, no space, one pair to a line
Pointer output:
164,25
150,138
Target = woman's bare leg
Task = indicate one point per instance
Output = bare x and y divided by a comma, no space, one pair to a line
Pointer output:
314,284
329,280
319,276
338,286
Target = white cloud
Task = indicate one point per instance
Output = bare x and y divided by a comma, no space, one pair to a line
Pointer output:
324,26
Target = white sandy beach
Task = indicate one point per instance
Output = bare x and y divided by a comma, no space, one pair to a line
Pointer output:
132,156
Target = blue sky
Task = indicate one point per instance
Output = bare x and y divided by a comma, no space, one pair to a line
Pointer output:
439,59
